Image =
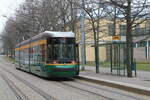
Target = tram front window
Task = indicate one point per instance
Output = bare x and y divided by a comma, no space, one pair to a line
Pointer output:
63,49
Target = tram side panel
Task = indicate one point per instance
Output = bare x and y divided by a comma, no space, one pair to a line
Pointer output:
37,59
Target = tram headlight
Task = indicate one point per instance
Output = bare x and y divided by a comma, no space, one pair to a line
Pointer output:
55,62
73,62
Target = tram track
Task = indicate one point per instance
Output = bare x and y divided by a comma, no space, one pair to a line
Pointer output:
96,87
78,88
124,95
68,85
62,83
17,92
34,88
75,87
84,90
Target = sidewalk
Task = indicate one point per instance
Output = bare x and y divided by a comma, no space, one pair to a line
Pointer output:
142,81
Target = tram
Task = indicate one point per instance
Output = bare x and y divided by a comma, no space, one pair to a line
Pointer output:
49,54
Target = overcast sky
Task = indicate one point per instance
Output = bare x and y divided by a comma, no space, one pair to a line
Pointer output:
7,7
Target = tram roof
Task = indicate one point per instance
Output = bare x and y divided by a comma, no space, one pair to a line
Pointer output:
59,34
47,34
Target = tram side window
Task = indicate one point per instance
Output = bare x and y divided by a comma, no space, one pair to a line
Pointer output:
31,54
34,54
77,52
22,56
42,52
38,53
16,55
49,50
49,53
27,54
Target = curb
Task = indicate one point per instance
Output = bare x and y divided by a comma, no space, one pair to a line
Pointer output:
119,85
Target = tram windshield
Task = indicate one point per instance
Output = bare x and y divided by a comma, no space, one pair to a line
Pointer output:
61,49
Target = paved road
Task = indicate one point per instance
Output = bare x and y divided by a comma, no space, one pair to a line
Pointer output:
30,87
5,91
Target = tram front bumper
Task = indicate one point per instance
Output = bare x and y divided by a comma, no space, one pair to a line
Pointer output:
62,71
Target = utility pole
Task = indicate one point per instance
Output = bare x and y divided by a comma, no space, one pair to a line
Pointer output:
83,56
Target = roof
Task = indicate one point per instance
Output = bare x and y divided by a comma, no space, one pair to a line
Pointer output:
47,34
59,34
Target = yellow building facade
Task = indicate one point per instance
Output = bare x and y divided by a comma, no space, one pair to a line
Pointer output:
106,30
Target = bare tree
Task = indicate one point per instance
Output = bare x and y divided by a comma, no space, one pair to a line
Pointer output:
132,11
9,37
96,11
35,16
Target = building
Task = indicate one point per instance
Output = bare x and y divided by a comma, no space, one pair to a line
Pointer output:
141,47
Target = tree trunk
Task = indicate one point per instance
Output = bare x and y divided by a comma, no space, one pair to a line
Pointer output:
96,47
129,54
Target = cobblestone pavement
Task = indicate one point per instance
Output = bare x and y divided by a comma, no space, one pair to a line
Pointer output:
66,89
142,79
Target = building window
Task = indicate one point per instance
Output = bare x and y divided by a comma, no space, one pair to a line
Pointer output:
123,30
143,31
149,43
147,28
110,29
137,30
142,44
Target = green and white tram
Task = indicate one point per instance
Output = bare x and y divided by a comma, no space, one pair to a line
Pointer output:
49,54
